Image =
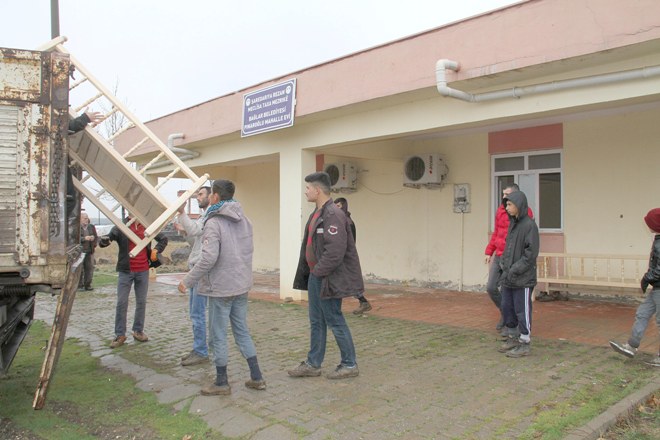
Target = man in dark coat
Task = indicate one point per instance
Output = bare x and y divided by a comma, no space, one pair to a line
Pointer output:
88,240
329,269
518,264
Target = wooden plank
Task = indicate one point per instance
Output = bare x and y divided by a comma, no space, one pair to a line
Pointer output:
58,331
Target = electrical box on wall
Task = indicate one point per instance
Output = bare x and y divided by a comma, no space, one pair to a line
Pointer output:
343,176
462,197
428,170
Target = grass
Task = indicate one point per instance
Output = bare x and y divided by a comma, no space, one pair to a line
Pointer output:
554,418
85,400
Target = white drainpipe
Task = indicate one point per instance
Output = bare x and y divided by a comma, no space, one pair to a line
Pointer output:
517,92
181,152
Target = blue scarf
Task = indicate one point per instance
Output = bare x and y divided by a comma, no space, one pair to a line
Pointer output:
216,207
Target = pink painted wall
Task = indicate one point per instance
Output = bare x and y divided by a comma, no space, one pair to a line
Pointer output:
525,34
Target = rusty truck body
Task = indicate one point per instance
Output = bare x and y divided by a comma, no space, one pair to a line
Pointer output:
44,171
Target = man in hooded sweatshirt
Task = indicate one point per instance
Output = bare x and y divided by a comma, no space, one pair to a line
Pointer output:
518,264
223,273
651,304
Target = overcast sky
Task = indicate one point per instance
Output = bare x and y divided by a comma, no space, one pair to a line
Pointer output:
167,55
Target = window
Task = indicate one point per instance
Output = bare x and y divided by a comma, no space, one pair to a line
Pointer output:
539,176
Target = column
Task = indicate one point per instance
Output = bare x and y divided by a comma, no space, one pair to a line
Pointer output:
295,164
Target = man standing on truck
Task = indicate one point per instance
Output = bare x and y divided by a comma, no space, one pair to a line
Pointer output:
132,271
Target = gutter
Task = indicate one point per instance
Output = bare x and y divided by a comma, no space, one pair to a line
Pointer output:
181,152
443,65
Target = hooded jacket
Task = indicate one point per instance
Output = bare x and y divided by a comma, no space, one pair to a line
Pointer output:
518,261
224,267
338,263
498,239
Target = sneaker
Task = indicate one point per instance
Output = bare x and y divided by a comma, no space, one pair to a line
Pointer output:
187,355
256,384
500,324
363,307
118,341
523,349
140,336
216,390
194,359
89,289
510,344
623,349
343,372
655,361
305,370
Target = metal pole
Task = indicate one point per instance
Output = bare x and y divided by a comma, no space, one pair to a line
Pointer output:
54,18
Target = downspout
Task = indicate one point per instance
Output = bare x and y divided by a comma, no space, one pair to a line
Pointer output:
443,65
181,152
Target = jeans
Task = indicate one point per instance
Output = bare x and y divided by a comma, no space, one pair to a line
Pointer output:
324,313
198,317
222,312
517,310
140,281
494,274
643,315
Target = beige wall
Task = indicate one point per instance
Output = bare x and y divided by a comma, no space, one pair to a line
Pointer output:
611,181
258,190
413,235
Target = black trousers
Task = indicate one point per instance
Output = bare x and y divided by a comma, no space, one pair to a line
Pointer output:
87,271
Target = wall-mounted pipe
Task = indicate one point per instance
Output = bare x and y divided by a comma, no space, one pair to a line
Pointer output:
181,152
443,65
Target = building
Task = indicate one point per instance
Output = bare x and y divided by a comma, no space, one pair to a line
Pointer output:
565,104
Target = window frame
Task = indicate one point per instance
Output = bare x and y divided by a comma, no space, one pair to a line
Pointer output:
496,196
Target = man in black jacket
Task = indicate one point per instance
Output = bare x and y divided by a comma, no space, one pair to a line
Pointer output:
651,304
132,271
329,269
518,264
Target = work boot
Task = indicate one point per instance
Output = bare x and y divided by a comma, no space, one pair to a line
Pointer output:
510,344
343,372
216,390
118,341
623,349
194,359
256,384
305,370
523,349
140,336
363,307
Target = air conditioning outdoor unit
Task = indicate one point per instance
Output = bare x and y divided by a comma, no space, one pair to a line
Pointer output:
343,176
427,170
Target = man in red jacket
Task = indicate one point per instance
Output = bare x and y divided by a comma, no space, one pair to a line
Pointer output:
494,251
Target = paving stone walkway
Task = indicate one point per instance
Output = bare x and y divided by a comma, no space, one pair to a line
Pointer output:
418,379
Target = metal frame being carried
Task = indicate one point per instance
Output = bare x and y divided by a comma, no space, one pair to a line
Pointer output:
116,176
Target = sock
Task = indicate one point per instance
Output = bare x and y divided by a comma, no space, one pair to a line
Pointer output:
221,375
255,372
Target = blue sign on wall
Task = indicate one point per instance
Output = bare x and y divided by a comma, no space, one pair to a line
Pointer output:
269,109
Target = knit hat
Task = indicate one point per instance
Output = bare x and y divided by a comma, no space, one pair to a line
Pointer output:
652,220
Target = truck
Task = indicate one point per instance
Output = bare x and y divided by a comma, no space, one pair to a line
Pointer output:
46,170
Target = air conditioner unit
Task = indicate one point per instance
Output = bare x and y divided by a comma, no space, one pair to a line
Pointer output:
343,176
428,170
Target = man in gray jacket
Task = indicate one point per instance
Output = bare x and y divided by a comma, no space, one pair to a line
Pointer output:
197,304
224,274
